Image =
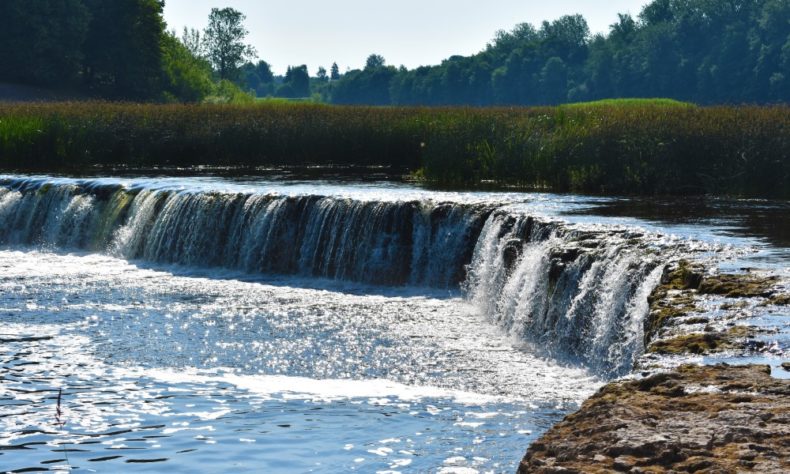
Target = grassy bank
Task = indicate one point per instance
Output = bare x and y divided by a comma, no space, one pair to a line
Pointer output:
632,147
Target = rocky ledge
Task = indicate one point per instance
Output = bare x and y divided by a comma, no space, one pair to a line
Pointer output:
695,312
717,418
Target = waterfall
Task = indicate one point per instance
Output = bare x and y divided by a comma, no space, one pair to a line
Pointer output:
577,293
419,243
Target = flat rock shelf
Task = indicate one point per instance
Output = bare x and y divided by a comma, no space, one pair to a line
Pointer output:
717,418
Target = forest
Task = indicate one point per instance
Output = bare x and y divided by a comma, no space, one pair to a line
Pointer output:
700,51
703,51
118,50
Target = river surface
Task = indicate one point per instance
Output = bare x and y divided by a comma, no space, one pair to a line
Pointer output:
247,325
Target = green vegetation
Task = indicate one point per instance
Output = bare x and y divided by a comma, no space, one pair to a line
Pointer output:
704,51
119,50
614,149
223,42
618,149
633,102
75,136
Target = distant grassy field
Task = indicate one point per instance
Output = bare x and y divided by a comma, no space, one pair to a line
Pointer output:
656,102
647,147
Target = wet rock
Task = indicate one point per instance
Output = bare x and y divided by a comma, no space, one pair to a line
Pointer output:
703,343
697,320
737,305
697,418
738,286
678,295
555,270
566,255
673,297
682,276
511,252
665,306
778,300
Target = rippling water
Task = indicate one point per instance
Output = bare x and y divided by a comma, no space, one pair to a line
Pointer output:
214,373
201,368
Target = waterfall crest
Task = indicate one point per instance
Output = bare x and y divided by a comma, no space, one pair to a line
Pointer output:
579,294
382,243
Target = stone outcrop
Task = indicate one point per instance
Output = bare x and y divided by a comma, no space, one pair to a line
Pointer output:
695,419
715,419
676,303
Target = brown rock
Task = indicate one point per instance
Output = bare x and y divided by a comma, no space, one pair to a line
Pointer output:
778,300
703,343
698,418
738,285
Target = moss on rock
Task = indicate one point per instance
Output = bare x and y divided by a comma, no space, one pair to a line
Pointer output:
778,300
672,298
703,343
738,285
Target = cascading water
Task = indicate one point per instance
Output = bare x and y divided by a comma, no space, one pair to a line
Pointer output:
383,243
574,293
577,293
490,317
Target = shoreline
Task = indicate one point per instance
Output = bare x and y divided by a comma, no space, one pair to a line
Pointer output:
688,418
717,418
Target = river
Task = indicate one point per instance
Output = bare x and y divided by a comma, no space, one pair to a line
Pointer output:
210,324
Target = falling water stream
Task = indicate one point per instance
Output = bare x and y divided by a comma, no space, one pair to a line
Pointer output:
245,325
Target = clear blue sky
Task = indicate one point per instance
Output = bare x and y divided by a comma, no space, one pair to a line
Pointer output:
408,32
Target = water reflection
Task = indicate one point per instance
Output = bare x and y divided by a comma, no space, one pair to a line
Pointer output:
766,220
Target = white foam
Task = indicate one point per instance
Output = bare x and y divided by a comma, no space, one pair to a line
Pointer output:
287,387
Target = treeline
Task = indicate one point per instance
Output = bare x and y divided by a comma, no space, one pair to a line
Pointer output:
704,51
619,147
117,50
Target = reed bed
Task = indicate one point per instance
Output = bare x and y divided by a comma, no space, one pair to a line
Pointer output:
615,148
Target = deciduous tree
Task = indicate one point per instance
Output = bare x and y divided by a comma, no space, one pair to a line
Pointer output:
223,40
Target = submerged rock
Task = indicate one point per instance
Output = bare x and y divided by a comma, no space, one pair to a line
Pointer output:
698,418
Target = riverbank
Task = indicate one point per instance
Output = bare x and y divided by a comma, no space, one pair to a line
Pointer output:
637,148
686,418
714,418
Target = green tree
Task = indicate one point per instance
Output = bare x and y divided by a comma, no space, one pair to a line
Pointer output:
334,72
369,86
186,78
296,83
123,50
258,77
554,81
223,40
374,61
191,39
321,74
41,41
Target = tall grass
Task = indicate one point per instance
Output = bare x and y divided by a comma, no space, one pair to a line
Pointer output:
619,149
631,147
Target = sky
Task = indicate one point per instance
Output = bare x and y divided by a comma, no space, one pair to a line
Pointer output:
405,32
